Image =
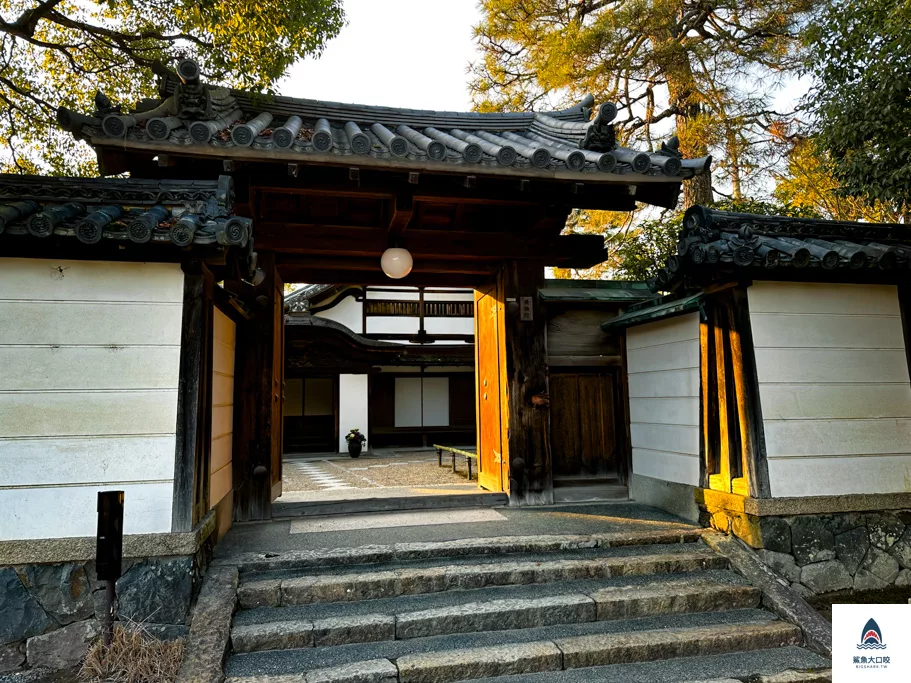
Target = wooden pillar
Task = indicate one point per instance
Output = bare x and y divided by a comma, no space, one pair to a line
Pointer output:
194,406
258,400
527,395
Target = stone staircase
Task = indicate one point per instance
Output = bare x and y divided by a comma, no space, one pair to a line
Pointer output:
650,607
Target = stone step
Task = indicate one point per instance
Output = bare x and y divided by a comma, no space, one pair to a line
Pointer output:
282,509
417,664
596,604
780,665
468,547
368,585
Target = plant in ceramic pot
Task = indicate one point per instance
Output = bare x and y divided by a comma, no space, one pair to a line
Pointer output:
355,442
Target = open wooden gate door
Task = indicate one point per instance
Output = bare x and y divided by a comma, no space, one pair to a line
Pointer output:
490,389
278,384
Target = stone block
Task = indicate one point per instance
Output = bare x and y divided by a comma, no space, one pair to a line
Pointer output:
644,646
811,540
495,615
775,534
840,523
63,590
482,662
12,657
881,565
623,602
210,629
156,591
367,628
851,548
22,617
62,648
272,635
901,551
780,563
166,631
885,529
865,581
826,577
266,593
903,580
372,671
802,590
416,582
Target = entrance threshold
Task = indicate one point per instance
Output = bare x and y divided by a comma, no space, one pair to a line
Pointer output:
351,501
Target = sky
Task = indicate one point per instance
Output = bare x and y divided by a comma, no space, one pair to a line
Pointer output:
399,53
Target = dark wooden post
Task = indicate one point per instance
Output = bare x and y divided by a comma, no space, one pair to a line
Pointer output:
528,409
194,409
257,437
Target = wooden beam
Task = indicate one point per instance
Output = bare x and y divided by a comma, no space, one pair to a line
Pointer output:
400,216
584,361
526,375
191,478
295,273
746,383
723,477
568,251
356,263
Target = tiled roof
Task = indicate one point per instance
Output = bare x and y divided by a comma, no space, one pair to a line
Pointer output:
659,309
170,212
191,113
750,244
595,291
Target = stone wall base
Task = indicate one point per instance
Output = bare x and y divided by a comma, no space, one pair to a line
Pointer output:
819,552
50,612
678,499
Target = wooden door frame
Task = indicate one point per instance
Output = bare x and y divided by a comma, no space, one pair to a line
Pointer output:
488,480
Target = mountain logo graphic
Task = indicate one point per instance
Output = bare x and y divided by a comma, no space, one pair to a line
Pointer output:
872,637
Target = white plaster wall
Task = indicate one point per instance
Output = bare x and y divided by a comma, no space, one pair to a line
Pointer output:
220,469
834,387
89,363
408,402
352,407
663,366
348,312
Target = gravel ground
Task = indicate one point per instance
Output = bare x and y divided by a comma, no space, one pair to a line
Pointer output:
414,468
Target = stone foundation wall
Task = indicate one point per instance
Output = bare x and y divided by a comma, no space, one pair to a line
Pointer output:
50,613
820,554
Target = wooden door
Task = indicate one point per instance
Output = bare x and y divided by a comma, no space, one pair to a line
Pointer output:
278,384
584,424
492,474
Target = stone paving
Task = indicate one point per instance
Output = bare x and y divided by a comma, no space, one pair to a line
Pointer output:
370,471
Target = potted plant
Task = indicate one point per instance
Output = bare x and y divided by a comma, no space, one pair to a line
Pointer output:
355,442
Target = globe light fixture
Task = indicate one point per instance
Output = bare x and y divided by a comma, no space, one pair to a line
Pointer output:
396,262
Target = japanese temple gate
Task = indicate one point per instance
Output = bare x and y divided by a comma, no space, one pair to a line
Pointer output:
480,201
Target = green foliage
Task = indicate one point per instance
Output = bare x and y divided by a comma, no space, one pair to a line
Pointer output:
57,52
859,57
711,69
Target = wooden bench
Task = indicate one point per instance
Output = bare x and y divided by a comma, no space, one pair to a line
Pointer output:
468,455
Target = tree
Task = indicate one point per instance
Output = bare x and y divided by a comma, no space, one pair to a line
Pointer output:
860,58
708,67
55,52
808,184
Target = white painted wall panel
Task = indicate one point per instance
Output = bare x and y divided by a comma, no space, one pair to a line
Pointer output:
823,299
88,367
663,367
48,413
436,401
89,363
68,511
675,411
348,312
86,460
407,401
40,322
664,384
683,469
381,324
352,405
839,476
449,326
833,386
58,280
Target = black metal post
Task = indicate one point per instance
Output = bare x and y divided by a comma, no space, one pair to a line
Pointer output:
109,554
